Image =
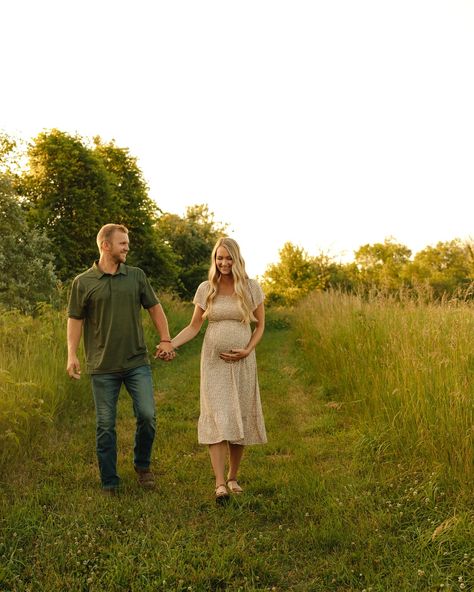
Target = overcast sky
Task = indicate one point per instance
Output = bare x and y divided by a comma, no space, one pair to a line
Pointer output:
330,124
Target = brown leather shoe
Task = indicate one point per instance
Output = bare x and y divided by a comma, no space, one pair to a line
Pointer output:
146,478
110,491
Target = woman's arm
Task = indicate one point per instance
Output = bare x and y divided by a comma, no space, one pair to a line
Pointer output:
188,333
191,330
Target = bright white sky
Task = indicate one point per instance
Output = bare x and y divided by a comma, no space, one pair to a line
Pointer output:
327,123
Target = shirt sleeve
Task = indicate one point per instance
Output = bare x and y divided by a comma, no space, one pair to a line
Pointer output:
148,298
256,293
77,304
201,295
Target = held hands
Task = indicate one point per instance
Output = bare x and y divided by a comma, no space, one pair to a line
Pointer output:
234,355
165,351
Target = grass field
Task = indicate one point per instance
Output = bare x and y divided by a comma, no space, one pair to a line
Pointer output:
334,501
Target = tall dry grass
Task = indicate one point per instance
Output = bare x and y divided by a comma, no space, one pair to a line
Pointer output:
405,368
32,378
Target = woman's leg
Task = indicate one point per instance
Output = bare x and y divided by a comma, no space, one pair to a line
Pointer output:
218,453
235,456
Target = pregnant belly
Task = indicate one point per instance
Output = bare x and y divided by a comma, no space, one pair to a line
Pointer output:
226,335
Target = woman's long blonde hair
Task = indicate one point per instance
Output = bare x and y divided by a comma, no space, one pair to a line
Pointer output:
241,287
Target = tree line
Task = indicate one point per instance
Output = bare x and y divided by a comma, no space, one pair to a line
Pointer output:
58,189
390,268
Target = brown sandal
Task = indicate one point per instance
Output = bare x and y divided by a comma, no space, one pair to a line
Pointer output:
234,486
221,493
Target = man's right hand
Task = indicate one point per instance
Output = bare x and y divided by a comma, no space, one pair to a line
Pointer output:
73,368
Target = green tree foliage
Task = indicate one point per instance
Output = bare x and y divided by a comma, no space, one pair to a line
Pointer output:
447,267
296,275
383,265
191,239
26,270
7,148
73,188
70,198
139,213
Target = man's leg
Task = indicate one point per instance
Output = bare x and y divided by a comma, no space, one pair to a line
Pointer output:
106,388
138,383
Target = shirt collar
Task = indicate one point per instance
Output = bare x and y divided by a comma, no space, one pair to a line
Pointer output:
99,273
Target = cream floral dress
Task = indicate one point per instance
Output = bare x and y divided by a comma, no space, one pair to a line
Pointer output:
230,396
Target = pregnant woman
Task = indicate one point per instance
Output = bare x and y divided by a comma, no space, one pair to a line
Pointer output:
231,413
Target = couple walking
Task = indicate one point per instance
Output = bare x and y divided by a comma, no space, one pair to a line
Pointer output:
105,308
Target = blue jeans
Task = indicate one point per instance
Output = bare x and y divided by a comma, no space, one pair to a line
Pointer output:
106,388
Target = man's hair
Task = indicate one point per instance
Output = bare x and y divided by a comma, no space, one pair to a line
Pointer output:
106,232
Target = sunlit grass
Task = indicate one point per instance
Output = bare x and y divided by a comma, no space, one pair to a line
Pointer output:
405,370
32,379
321,511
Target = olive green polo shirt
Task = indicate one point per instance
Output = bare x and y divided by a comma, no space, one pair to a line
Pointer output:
110,306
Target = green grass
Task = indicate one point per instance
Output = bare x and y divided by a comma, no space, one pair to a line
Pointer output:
319,513
406,370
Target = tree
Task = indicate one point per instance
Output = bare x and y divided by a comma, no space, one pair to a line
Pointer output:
295,275
139,213
27,275
74,187
70,198
446,267
383,265
191,239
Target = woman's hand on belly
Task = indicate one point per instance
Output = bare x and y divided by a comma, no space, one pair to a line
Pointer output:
234,355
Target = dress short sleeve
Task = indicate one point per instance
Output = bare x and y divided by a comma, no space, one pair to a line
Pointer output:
256,293
201,295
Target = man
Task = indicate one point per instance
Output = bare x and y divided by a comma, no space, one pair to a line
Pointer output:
105,303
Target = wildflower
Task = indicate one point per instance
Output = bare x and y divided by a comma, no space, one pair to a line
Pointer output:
421,573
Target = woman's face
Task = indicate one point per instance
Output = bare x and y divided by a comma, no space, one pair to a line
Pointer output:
223,261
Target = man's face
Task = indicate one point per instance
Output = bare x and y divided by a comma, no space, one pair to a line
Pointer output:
118,246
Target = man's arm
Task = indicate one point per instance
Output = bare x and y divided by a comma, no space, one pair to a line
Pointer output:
160,321
74,332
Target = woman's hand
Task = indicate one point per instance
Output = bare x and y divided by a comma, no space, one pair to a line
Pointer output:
165,352
234,355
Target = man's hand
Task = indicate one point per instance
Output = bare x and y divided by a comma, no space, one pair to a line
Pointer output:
73,368
165,352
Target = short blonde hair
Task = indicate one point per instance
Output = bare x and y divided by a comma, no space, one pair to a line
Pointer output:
107,231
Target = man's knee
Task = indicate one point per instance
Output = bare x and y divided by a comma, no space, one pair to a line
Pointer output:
105,418
146,417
